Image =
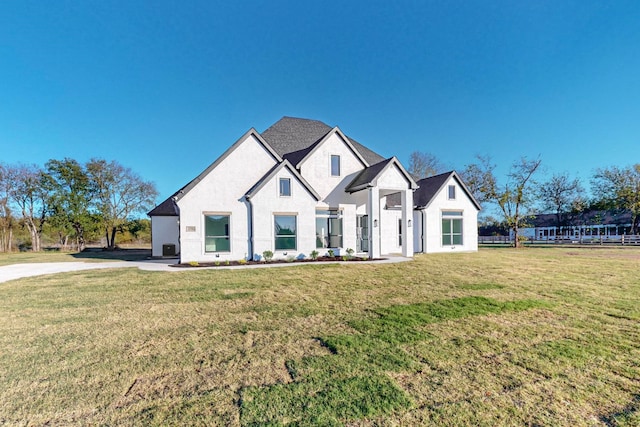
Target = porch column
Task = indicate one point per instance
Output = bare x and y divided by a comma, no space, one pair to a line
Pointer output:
407,215
373,210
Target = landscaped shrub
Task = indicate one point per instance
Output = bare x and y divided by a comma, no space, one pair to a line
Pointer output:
267,255
314,255
331,253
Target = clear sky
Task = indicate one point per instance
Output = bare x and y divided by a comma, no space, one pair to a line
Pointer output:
164,87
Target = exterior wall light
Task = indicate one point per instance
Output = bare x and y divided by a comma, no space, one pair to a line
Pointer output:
375,222
409,223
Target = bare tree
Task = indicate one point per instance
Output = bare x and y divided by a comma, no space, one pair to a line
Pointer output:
120,193
560,194
620,189
479,178
28,193
424,165
515,198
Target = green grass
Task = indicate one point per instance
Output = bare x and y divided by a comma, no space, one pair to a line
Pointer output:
541,336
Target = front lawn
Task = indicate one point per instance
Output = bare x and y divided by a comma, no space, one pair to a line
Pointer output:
539,336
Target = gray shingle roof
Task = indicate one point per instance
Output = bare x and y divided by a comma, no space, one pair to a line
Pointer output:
166,208
429,187
293,138
367,175
596,217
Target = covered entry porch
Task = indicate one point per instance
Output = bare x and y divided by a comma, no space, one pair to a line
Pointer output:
378,181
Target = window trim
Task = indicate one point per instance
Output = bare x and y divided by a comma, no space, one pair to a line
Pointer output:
339,164
451,188
451,216
327,215
280,192
276,235
204,228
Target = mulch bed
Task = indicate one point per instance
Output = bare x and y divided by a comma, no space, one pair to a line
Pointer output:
320,259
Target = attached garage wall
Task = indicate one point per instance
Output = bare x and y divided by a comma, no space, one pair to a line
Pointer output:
164,230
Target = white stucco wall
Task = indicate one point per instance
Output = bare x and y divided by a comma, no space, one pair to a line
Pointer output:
392,179
316,169
267,203
440,203
221,192
164,230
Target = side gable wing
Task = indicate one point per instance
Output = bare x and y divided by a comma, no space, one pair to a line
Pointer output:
250,133
430,187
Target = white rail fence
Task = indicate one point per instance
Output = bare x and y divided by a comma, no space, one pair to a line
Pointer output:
575,240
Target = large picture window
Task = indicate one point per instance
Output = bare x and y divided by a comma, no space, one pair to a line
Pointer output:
328,228
285,232
216,230
451,228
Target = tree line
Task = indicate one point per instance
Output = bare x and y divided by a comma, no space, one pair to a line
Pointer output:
71,200
524,193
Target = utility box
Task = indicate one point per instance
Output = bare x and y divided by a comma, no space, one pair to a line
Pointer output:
169,249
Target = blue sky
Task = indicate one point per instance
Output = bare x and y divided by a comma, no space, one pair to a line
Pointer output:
165,87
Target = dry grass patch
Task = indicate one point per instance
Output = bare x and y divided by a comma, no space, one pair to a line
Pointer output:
354,344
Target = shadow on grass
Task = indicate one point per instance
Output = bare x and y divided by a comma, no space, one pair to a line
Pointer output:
113,255
628,416
351,383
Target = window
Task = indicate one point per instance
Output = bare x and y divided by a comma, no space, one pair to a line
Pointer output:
452,192
285,231
451,228
335,165
216,231
328,228
285,187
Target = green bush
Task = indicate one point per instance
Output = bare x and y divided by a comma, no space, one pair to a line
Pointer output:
268,255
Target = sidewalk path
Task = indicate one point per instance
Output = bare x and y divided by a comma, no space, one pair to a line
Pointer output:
19,271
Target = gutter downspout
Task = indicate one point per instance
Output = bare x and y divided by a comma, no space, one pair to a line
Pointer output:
251,244
424,231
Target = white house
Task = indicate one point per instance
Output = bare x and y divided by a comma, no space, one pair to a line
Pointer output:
301,186
445,216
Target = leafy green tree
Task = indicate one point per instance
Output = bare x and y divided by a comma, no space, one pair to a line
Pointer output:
70,197
120,193
619,188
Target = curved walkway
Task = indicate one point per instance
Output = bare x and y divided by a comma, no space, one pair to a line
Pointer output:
19,271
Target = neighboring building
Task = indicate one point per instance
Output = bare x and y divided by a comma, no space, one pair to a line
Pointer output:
574,226
302,186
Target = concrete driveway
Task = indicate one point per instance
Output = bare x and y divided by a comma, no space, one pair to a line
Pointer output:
19,271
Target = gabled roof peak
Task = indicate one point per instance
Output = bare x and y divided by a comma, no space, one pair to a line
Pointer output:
293,138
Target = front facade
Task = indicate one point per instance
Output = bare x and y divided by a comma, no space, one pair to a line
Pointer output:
299,186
